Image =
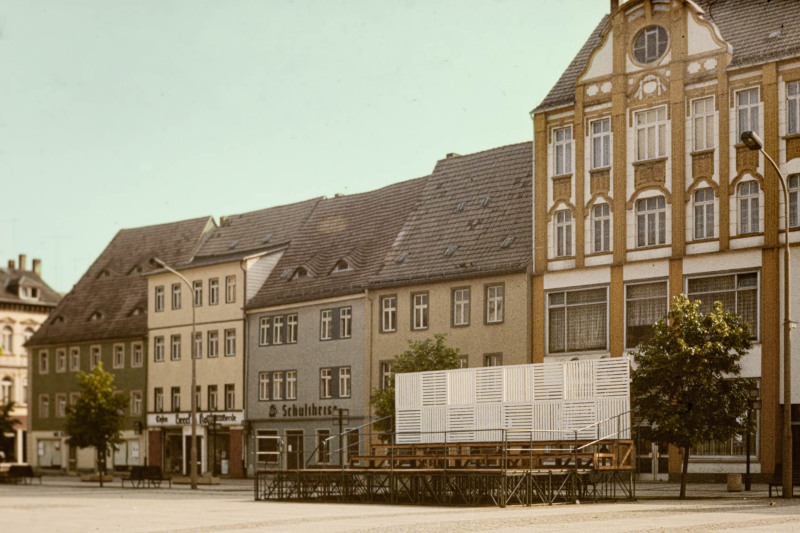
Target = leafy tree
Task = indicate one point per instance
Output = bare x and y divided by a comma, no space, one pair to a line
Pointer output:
686,381
7,423
98,416
421,356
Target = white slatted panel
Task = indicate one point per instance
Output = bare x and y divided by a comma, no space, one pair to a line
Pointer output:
434,389
434,424
518,383
407,391
518,420
409,424
489,385
613,377
579,415
461,423
547,416
488,417
461,386
548,381
608,411
579,380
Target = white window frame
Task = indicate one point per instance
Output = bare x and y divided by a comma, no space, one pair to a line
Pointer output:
749,203
600,131
703,115
158,349
213,343
461,306
158,296
601,228
794,201
495,303
230,396
629,299
747,115
325,382
420,311
345,322
277,330
44,406
649,40
326,324
793,107
61,406
264,384
197,345
291,328
291,384
566,306
213,397
7,340
230,342
197,291
158,399
213,291
386,370
175,347
118,358
175,399
651,221
264,327
650,126
755,330
562,222
74,359
388,314
136,403
277,385
137,355
61,360
345,382
176,296
95,356
230,289
704,212
562,151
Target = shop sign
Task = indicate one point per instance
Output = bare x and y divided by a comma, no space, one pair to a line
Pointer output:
222,418
306,410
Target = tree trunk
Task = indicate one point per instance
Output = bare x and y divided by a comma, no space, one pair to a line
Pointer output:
684,472
101,465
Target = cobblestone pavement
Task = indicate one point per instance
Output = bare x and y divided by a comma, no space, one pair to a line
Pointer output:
64,505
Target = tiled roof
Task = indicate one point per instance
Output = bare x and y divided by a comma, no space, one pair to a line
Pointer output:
471,207
12,279
257,230
115,285
358,229
757,30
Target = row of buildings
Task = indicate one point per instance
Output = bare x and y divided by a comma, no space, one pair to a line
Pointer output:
634,188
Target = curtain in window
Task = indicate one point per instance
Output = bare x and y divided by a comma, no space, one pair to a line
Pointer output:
646,304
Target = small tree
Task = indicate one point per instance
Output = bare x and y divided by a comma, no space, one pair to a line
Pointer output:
686,383
421,356
7,427
98,416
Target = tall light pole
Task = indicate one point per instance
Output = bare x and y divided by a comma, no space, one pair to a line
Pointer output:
753,142
193,444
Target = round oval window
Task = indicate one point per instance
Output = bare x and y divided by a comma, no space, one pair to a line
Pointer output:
650,44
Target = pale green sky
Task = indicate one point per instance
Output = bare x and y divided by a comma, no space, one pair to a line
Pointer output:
120,113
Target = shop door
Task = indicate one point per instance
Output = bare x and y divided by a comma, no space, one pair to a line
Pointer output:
652,461
187,456
294,450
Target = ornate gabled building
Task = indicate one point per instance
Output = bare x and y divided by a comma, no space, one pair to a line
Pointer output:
643,190
102,319
25,302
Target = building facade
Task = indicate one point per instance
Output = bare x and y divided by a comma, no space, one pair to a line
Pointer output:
25,302
643,190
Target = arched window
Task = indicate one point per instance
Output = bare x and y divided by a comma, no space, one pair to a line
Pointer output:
651,221
601,228
794,195
7,340
748,207
6,390
704,213
563,226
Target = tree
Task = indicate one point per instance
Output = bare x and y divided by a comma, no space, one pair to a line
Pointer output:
97,417
7,423
421,356
686,382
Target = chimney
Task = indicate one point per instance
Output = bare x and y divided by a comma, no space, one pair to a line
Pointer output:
11,264
614,5
22,258
37,267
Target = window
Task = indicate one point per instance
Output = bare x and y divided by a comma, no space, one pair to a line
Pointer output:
27,334
562,149
213,343
61,405
704,213
419,309
44,406
159,298
213,403
230,342
158,349
230,289
6,390
493,359
650,44
198,391
213,291
7,340
601,143
94,357
344,382
175,348
325,320
793,107
651,133
197,290
74,359
176,295
747,112
737,292
463,361
703,123
61,360
136,403
263,386
291,385
577,320
601,228
176,399
345,322
733,447
325,383
158,399
748,207
230,397
495,295
794,193
352,443
277,385
645,304
263,331
291,329
277,330
388,313
563,226
461,306
137,357
197,346
651,221
323,446
119,356
385,374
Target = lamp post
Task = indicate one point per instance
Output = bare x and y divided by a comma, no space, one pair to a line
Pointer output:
753,404
193,444
752,141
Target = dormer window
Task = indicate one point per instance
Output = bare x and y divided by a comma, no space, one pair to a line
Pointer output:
30,293
58,320
300,272
104,274
135,270
342,266
650,44
97,315
137,311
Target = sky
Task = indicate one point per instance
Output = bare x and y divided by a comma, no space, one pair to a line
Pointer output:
127,113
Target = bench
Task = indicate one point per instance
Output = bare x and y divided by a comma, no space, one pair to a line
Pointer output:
146,476
777,478
18,473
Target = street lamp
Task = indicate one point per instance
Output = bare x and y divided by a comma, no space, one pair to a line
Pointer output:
753,404
193,444
752,141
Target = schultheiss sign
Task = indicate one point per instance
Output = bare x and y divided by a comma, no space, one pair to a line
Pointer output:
222,418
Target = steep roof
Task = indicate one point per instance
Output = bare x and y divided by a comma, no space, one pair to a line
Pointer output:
357,230
757,30
474,219
11,279
238,235
115,286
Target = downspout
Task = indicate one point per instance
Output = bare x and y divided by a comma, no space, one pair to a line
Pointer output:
245,335
368,336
